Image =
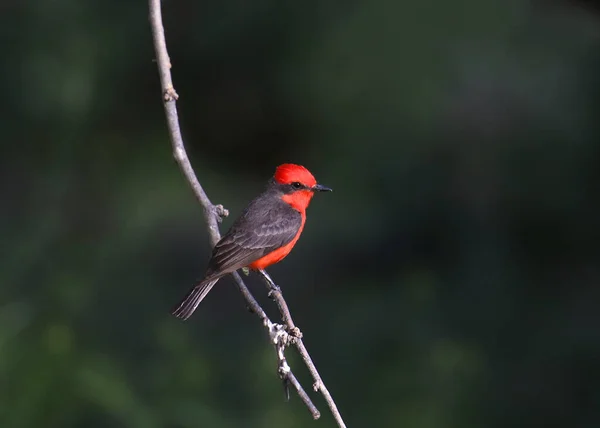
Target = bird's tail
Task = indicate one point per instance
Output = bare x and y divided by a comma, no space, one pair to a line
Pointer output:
191,301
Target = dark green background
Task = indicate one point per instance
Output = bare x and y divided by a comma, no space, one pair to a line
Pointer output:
452,279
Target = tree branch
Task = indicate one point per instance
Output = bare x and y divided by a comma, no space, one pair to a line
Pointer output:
212,213
318,385
281,336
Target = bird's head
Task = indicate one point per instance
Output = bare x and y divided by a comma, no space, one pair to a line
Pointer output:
297,184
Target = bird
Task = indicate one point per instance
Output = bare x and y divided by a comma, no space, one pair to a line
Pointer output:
264,234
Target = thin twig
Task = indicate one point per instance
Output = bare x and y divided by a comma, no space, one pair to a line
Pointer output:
319,385
213,214
275,294
281,340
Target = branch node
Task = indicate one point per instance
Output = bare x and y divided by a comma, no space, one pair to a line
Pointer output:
179,154
317,386
279,336
284,369
220,212
169,93
295,333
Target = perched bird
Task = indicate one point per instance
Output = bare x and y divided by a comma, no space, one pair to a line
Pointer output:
263,235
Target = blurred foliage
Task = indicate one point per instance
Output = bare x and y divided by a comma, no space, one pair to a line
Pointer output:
451,280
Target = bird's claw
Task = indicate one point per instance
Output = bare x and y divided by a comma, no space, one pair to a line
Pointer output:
273,289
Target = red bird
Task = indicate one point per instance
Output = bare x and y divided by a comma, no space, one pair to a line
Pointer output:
263,235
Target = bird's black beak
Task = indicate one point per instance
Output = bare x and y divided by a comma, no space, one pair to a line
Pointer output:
321,188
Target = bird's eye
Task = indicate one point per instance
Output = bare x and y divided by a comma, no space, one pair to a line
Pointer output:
297,185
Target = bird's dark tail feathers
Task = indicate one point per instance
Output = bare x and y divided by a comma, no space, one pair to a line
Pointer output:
191,301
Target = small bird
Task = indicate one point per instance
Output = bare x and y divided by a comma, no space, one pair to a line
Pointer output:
263,235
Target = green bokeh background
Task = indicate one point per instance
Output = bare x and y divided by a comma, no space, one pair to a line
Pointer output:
452,278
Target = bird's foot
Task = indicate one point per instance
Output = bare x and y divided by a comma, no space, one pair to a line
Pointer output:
273,289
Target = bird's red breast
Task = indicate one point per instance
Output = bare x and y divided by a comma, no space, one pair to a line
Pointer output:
298,200
264,234
280,253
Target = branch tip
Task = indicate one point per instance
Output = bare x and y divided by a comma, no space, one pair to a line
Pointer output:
286,389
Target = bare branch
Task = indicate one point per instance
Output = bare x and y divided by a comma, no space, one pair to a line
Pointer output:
319,385
281,340
275,294
281,336
212,213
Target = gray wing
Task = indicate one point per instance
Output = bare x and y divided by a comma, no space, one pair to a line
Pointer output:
256,233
